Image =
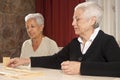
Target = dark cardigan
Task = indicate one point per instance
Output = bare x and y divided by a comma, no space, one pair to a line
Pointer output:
101,59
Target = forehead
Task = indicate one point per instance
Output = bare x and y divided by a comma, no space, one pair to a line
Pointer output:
78,12
32,20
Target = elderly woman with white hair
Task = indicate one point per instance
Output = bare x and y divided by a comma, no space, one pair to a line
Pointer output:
93,52
38,44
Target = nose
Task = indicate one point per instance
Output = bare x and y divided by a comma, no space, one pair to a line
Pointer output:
73,22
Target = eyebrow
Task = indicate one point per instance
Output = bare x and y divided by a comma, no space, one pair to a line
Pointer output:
74,17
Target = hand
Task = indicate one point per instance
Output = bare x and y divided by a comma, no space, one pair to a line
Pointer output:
18,61
70,67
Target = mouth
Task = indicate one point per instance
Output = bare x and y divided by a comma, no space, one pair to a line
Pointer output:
30,34
75,29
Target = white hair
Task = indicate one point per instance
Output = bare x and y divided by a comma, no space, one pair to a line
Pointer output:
37,16
91,9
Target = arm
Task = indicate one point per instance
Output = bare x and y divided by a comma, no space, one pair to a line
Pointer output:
109,67
53,61
18,61
53,47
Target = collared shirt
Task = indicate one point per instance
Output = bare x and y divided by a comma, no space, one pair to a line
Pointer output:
84,47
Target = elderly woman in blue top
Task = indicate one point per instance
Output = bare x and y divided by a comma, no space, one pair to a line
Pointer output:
92,53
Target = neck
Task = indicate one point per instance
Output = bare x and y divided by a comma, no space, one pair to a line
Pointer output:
37,40
85,37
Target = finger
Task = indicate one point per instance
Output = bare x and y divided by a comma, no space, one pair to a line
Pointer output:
69,73
11,63
65,63
64,67
66,71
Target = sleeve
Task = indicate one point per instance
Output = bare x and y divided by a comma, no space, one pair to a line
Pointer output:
22,50
53,61
53,47
111,67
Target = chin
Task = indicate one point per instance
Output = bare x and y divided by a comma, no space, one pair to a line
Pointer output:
76,33
32,37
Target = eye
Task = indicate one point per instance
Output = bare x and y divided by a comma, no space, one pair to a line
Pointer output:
28,27
77,19
32,26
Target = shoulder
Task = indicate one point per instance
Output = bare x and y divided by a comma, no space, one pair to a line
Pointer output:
49,40
74,42
27,42
104,36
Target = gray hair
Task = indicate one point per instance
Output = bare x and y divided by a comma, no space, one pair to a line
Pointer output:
37,16
91,9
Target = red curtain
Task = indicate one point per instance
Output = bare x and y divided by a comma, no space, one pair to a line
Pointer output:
58,19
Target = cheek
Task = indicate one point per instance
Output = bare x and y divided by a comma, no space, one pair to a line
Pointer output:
41,29
80,26
81,23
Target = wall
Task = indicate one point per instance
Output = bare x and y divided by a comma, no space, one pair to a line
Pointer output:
111,17
58,16
12,28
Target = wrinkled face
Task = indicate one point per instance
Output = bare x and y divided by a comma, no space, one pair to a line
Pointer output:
81,25
33,29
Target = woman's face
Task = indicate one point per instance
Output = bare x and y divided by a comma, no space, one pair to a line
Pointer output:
33,29
81,25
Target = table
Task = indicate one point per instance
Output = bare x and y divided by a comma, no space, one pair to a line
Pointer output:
54,74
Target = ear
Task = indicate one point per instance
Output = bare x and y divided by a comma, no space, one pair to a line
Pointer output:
42,27
93,20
